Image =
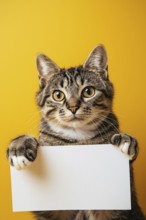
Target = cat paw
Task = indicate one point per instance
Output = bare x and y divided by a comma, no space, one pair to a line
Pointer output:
127,144
22,151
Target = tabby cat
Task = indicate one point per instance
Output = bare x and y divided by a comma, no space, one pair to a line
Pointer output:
76,108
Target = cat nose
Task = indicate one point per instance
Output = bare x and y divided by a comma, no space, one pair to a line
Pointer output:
73,109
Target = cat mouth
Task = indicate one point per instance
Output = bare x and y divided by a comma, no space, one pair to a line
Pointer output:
75,118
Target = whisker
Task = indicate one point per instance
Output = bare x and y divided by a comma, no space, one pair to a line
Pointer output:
102,126
109,120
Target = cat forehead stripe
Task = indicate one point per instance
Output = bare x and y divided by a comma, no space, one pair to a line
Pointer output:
71,75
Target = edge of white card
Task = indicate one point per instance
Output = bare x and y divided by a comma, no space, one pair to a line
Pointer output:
79,177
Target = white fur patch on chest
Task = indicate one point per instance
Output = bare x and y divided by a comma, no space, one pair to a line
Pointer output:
97,218
91,217
100,217
73,133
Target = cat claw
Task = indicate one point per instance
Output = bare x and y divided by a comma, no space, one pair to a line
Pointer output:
22,151
19,162
125,149
127,144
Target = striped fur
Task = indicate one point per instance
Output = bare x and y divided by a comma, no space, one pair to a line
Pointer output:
95,124
78,119
91,112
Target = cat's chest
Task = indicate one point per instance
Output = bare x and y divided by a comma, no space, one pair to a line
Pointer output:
100,215
74,134
91,217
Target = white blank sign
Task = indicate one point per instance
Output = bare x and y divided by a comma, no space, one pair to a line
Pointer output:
87,177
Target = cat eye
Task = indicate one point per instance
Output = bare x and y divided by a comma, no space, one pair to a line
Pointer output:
88,92
58,95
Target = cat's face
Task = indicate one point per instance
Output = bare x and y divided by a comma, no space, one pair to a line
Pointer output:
75,97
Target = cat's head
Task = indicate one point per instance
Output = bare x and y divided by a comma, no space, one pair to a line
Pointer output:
75,97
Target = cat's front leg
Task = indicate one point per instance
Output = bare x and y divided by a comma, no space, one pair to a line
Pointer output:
127,144
22,151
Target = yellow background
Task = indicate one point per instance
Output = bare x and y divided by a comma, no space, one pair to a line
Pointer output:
67,31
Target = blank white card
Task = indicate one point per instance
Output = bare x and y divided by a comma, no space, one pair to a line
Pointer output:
91,177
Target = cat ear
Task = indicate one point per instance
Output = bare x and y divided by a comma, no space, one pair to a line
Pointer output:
46,67
97,60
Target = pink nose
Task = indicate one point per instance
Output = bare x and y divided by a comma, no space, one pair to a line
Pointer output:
73,109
